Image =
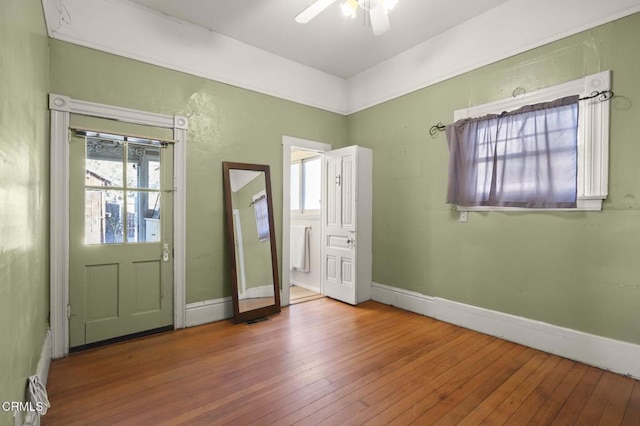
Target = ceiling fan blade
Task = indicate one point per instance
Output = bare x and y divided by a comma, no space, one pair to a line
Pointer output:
379,20
310,12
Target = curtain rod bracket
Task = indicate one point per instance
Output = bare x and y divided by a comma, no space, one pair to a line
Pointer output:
437,128
602,96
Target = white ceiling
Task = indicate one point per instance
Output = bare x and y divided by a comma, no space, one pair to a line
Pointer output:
330,43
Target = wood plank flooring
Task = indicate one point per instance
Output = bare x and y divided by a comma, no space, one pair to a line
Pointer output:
324,362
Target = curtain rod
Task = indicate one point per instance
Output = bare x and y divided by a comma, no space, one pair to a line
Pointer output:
602,96
262,197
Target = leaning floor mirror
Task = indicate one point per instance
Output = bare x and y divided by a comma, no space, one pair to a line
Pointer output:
252,242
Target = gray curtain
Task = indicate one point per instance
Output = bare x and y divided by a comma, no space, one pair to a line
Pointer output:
523,158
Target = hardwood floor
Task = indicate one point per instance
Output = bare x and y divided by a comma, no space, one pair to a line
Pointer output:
324,362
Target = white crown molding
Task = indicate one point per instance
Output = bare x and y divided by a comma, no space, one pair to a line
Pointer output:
509,29
609,354
150,37
132,31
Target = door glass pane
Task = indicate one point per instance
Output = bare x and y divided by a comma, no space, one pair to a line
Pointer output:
104,163
143,166
154,174
130,213
295,186
143,217
104,211
312,184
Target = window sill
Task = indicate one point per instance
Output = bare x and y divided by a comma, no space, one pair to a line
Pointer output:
584,205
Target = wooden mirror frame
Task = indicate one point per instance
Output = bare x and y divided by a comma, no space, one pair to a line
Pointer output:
264,311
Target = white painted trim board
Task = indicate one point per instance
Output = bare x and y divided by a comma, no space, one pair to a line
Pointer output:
609,354
209,311
154,38
42,371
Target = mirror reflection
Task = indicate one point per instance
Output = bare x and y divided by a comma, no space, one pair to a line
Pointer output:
254,277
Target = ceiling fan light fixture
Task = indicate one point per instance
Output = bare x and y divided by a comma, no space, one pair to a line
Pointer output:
349,8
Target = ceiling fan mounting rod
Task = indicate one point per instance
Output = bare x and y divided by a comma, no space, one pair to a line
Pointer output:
368,4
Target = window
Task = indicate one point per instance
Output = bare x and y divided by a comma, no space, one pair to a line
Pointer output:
306,185
295,186
261,209
586,178
522,158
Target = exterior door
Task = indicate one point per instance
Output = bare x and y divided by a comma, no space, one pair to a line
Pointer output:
120,242
346,230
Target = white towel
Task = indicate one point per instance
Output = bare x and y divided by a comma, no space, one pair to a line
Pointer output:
299,247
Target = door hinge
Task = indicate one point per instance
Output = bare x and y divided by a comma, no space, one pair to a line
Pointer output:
68,311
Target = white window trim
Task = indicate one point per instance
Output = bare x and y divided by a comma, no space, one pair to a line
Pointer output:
61,107
593,137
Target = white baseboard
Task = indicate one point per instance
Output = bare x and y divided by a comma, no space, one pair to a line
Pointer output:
42,371
45,359
209,311
609,354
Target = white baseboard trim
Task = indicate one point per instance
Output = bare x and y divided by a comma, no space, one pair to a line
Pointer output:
42,371
609,354
45,359
209,311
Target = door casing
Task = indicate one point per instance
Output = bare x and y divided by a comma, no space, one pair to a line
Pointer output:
61,107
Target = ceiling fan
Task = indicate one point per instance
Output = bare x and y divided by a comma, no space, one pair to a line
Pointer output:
378,10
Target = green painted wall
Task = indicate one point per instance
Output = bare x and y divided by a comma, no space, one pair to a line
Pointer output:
226,124
578,270
24,199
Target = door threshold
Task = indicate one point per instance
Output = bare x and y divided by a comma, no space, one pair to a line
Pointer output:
121,339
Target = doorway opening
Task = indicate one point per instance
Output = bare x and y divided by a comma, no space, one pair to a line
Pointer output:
304,240
302,224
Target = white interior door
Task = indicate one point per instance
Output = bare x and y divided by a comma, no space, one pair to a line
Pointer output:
346,231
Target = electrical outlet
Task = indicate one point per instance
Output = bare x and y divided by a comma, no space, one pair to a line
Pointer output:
464,216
